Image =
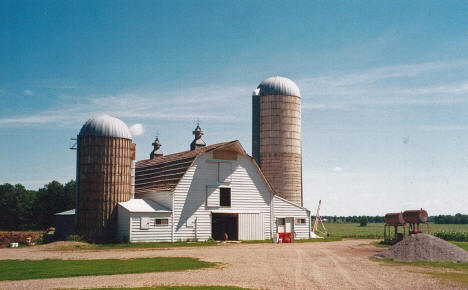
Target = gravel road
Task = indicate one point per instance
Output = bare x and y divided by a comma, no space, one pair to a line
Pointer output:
330,265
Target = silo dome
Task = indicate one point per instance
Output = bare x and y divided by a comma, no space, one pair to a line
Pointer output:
105,126
277,86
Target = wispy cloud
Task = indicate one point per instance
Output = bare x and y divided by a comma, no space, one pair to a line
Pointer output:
372,87
210,103
28,92
376,87
443,128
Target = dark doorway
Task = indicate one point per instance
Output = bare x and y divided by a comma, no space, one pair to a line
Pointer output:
224,226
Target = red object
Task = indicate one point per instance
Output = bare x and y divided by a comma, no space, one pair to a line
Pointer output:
133,151
394,219
415,216
286,237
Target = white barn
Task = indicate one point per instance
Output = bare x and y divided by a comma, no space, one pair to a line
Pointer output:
213,191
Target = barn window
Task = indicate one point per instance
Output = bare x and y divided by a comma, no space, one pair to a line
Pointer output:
162,222
281,221
300,221
225,196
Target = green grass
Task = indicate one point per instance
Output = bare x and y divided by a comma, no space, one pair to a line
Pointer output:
375,230
463,245
176,288
327,239
86,246
39,269
448,271
269,241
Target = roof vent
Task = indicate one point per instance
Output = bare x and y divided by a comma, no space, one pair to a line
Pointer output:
197,142
156,151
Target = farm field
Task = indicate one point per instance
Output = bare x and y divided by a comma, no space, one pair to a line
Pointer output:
376,230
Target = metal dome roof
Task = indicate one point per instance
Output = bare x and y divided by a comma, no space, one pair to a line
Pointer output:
277,86
105,126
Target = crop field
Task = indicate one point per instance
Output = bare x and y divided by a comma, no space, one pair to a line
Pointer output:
376,230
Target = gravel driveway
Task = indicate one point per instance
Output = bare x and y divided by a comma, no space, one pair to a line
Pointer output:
330,265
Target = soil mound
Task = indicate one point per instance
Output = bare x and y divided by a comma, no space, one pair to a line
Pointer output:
61,244
422,247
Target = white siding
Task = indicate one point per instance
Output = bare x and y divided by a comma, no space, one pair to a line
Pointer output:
248,192
123,224
251,226
212,196
283,209
225,170
155,233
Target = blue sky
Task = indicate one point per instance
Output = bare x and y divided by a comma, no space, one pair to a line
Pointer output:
384,85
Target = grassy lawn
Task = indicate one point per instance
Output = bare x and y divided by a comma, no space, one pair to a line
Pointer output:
176,288
375,230
269,241
447,271
463,245
38,269
86,246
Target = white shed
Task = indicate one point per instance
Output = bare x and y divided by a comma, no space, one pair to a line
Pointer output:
144,220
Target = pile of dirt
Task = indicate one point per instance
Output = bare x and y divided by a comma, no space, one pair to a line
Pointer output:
60,244
422,247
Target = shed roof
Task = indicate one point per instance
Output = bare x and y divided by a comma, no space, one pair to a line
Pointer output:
164,173
143,205
68,212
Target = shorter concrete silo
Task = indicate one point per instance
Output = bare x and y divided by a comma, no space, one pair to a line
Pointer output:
104,159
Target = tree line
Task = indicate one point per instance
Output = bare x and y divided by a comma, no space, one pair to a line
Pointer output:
23,209
451,219
353,219
440,219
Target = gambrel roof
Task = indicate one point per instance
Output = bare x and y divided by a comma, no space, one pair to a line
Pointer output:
164,172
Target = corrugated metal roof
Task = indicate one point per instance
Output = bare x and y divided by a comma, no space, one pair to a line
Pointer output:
143,205
163,173
68,212
105,126
277,86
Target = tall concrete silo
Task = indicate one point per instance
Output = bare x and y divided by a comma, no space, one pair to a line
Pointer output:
104,164
276,135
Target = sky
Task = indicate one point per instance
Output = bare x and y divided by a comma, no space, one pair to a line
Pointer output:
384,88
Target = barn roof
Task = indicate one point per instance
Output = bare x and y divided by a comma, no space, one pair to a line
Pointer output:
163,173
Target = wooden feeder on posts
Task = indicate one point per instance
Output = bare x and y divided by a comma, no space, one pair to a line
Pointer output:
393,219
414,218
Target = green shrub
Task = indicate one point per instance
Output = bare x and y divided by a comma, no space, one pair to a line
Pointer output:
75,238
452,236
363,221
